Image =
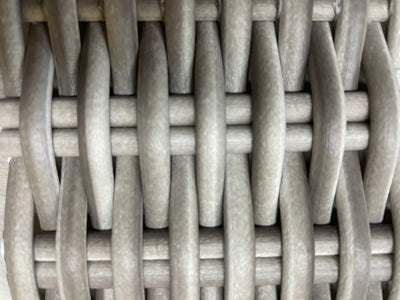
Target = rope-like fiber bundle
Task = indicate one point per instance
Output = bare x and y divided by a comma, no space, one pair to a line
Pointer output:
243,149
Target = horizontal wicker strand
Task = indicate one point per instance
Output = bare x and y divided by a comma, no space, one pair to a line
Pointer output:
182,140
298,108
268,271
206,10
267,241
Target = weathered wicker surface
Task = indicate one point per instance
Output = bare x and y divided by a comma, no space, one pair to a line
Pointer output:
237,149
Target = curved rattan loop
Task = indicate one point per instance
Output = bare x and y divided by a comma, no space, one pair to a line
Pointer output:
18,234
12,47
329,120
153,126
72,276
127,233
294,37
297,230
268,123
354,232
94,126
239,241
123,43
384,122
350,30
35,126
236,21
210,115
180,37
184,247
65,41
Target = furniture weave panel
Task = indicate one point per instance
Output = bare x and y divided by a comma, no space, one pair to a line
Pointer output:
201,149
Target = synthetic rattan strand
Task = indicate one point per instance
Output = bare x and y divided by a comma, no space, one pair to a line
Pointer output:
201,149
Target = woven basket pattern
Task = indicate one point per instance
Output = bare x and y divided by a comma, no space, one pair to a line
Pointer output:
187,149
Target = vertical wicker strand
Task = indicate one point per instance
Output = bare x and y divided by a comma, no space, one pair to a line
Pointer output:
104,294
180,30
375,291
354,233
123,43
210,115
321,291
297,230
239,237
236,21
329,120
18,234
184,247
393,36
157,294
294,34
384,102
35,126
212,293
395,210
2,92
268,123
65,41
153,126
127,233
350,31
267,292
393,42
210,118
294,37
94,126
12,46
52,294
72,274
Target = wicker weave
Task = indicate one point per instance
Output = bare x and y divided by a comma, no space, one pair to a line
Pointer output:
187,149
